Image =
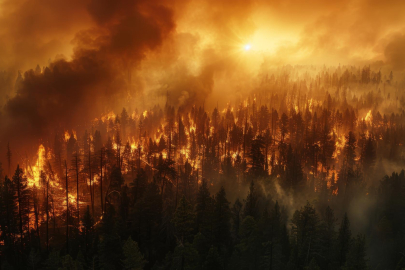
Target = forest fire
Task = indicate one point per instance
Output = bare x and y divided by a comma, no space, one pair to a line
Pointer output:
34,172
265,143
202,135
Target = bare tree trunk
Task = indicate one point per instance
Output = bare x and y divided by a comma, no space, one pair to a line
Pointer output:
47,215
91,181
67,210
77,186
54,218
19,211
101,180
36,214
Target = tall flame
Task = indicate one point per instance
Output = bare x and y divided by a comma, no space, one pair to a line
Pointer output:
34,172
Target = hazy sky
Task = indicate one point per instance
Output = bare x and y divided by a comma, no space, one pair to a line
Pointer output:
313,32
106,54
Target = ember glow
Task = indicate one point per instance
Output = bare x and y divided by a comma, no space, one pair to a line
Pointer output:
138,133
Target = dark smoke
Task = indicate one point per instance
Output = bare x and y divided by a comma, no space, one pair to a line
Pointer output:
97,78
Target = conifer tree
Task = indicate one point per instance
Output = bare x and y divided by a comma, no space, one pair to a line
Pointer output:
343,241
258,159
250,208
294,174
250,244
305,233
8,212
356,257
213,260
87,229
283,126
203,210
327,238
134,260
236,217
368,155
23,193
183,221
221,219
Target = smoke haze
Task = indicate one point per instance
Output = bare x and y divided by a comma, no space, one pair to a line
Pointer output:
97,56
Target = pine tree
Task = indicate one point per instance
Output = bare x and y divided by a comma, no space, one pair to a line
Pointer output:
349,150
23,194
343,241
45,181
8,212
33,259
273,238
236,217
356,257
138,185
148,215
101,158
283,126
183,221
87,229
36,208
327,238
134,260
76,162
305,233
313,265
221,219
67,207
368,155
294,174
124,122
184,257
53,261
109,248
251,202
204,210
162,144
258,159
250,244
213,260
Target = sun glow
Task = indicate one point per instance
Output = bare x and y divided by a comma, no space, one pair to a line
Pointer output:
247,47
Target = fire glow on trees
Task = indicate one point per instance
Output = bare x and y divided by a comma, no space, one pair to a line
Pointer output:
122,116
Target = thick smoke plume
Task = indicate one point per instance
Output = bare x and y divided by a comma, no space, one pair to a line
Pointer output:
99,73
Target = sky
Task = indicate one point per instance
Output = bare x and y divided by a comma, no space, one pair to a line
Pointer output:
98,55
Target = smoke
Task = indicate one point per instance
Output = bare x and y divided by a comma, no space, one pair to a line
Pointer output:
95,56
96,78
394,52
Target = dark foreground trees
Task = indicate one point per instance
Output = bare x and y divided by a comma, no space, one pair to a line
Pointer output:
205,233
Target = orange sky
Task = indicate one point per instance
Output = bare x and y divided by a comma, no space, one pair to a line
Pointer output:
115,53
310,32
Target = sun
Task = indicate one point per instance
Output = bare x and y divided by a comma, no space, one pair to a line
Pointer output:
247,47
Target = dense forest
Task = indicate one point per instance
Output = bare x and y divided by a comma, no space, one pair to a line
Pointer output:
303,172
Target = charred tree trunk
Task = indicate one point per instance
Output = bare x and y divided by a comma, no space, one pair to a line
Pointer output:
19,211
101,180
139,153
91,182
77,186
47,215
67,209
36,214
54,218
